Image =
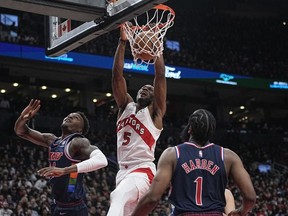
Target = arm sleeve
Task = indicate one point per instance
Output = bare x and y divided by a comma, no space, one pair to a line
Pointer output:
96,161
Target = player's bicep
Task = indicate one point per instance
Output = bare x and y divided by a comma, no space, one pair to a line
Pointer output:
81,148
240,175
237,167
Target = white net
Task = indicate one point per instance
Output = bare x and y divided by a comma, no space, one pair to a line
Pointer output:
146,33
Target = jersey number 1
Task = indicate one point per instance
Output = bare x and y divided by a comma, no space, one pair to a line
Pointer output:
199,187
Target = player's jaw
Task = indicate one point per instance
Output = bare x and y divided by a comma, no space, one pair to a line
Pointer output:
69,127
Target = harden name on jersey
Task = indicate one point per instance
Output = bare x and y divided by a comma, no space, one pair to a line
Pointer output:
203,164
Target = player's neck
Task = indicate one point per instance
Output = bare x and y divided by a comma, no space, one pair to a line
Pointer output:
64,135
140,106
191,140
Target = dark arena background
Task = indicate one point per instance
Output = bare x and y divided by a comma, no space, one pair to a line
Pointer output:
228,56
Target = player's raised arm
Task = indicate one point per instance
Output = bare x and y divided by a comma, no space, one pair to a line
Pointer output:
22,130
160,91
160,85
119,86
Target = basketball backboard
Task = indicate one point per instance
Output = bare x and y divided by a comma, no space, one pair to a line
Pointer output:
96,17
116,13
81,10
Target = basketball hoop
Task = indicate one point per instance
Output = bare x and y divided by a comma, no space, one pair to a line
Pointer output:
146,33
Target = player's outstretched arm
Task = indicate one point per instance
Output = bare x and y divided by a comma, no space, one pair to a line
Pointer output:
22,130
91,156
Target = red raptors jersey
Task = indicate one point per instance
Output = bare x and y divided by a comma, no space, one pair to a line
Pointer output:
136,138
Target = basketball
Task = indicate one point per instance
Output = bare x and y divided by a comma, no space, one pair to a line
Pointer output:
146,44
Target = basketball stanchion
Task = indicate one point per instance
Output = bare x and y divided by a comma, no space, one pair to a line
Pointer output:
146,33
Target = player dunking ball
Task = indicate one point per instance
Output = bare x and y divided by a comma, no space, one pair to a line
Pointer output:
139,125
198,171
70,155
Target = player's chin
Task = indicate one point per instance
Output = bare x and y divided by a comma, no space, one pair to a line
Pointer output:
144,101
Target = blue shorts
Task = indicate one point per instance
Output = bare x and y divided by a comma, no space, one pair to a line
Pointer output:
69,210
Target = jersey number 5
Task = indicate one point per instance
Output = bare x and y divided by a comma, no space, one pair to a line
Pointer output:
126,138
199,187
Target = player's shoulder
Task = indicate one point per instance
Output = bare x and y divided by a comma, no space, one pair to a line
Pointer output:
169,150
169,154
129,105
230,154
78,139
228,151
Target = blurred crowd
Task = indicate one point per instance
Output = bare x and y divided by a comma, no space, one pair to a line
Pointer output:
253,46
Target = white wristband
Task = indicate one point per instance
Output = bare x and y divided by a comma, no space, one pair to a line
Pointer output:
96,161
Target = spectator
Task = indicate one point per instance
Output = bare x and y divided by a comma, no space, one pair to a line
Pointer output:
40,184
4,210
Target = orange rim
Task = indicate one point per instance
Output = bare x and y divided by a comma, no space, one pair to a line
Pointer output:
160,7
165,7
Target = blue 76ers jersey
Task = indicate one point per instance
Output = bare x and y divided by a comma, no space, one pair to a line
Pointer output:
199,180
67,188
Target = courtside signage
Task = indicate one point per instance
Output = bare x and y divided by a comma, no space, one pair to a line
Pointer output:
172,72
63,58
279,85
226,79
